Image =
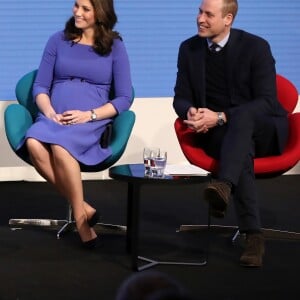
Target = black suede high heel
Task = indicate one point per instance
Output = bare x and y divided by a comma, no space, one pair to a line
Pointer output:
83,226
93,219
91,244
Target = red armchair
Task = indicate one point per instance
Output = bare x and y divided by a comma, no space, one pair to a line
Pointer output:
265,167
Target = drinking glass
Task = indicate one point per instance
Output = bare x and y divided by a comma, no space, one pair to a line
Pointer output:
147,154
158,163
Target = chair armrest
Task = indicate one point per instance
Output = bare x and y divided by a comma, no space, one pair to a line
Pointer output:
279,164
192,152
121,130
17,120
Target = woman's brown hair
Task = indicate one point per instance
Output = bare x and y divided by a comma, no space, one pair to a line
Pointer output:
105,19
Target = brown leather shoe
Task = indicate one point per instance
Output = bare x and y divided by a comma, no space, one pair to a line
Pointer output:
254,250
217,194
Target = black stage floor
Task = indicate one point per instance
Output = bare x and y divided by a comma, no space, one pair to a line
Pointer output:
36,265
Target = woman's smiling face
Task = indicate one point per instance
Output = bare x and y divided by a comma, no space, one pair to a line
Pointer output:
84,14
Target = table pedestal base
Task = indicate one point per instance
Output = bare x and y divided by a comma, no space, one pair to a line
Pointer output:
151,263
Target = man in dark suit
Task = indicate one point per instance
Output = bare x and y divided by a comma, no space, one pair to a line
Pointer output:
226,92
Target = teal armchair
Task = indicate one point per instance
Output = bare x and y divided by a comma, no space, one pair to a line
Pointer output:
18,117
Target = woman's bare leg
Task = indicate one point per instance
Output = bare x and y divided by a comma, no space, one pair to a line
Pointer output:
68,177
58,167
42,160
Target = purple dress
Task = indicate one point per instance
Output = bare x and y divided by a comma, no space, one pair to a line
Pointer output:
77,78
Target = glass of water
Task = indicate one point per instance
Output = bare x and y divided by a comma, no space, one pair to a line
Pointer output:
158,163
148,153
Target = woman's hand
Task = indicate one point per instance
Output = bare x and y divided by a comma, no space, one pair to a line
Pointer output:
71,117
44,104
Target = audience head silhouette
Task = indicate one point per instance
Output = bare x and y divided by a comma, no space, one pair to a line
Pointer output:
152,285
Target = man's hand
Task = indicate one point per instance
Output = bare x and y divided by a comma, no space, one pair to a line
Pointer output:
201,120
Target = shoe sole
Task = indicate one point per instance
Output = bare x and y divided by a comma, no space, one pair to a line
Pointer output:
245,265
217,213
214,199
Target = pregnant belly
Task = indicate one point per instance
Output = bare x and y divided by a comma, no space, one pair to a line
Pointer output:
71,95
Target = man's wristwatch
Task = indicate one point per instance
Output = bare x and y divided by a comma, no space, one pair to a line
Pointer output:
93,115
221,120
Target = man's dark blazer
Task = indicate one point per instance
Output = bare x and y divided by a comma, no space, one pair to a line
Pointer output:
250,73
